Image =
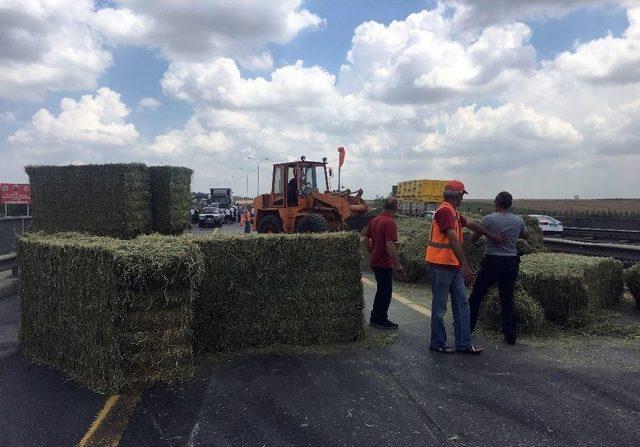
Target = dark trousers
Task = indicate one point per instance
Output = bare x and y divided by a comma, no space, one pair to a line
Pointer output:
504,271
384,289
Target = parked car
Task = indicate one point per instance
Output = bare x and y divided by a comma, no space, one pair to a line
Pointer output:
548,224
428,215
210,216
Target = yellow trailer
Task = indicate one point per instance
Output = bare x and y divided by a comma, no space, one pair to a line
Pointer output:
418,196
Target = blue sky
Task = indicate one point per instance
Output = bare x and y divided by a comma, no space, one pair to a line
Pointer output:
327,32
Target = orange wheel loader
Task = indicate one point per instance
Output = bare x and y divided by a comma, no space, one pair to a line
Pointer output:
298,204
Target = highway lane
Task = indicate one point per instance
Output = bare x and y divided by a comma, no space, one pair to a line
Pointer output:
536,393
541,392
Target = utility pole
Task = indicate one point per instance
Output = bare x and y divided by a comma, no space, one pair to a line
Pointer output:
258,171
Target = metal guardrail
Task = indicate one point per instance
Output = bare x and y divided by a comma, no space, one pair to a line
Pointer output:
603,233
618,251
10,228
9,262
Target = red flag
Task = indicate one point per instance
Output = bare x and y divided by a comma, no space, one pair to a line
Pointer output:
341,152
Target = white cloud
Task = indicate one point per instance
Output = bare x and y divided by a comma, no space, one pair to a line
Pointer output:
423,59
148,104
46,46
7,117
93,121
197,30
478,14
455,91
606,60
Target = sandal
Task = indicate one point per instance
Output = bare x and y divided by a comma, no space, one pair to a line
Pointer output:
442,349
471,350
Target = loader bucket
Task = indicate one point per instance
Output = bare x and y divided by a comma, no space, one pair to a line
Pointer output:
358,223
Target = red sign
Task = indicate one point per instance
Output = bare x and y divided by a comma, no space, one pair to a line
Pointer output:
15,193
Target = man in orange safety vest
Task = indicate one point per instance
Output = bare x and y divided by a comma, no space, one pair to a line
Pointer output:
449,271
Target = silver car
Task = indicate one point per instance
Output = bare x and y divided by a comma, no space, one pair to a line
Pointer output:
548,224
210,216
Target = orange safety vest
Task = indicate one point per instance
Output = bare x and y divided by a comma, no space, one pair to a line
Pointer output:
246,217
439,248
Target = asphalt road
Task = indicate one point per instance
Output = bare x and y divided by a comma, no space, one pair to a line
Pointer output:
402,394
564,392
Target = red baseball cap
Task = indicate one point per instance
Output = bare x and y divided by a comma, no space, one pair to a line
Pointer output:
457,186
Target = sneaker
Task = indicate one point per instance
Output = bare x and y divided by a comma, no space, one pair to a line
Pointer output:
386,326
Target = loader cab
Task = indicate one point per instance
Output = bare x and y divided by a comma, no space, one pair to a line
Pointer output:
293,182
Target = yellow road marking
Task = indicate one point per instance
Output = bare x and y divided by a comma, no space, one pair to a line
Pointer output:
407,302
110,423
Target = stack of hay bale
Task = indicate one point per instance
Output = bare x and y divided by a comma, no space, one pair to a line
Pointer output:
529,314
170,198
110,313
570,287
106,200
279,289
632,279
413,234
118,200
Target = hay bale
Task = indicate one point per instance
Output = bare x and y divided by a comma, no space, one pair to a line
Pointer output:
111,314
106,200
529,314
569,287
170,198
535,243
413,235
632,279
297,289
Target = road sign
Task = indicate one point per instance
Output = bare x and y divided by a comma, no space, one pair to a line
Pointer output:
15,193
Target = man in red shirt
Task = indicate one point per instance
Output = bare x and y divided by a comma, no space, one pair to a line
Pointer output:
380,239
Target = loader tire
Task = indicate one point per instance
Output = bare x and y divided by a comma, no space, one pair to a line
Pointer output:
312,223
270,224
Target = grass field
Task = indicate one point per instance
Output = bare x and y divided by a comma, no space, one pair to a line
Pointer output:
581,206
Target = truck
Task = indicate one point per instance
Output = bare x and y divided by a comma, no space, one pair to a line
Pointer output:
222,196
415,197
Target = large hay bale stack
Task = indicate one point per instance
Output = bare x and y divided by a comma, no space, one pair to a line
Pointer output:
112,314
569,287
535,243
632,279
170,198
529,314
413,235
106,200
297,289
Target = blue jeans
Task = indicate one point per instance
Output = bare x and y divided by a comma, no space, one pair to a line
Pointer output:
444,282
